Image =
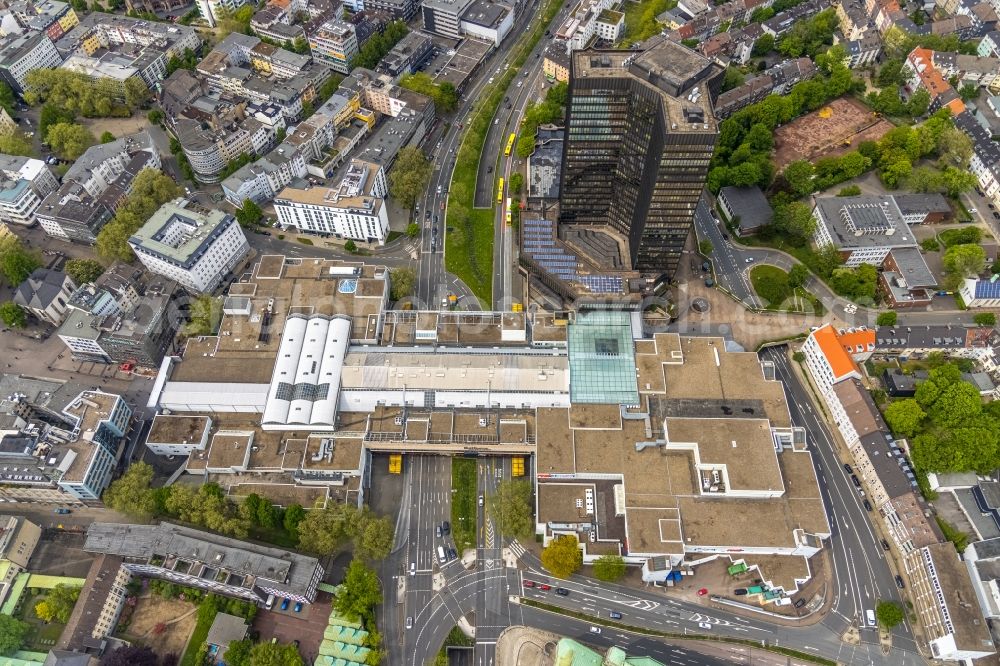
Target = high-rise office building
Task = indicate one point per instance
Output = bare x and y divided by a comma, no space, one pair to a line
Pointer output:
640,131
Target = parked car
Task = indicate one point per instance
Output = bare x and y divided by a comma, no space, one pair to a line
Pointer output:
868,505
562,591
800,603
855,480
740,591
885,544
284,604
899,582
63,512
848,469
615,615
298,607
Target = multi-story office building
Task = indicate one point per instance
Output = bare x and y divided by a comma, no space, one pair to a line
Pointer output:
127,316
178,435
208,561
399,9
20,54
335,43
864,229
408,54
640,131
262,179
52,17
355,209
95,186
193,246
24,182
101,421
444,17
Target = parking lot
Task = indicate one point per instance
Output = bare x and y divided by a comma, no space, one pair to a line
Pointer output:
61,553
306,626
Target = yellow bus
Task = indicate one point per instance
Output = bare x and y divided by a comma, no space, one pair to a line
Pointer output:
395,463
517,464
500,191
510,145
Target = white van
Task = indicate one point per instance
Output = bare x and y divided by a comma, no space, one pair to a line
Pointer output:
870,615
270,601
442,558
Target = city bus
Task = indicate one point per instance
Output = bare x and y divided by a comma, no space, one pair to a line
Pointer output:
510,145
500,191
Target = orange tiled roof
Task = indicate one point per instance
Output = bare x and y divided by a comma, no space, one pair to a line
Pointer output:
858,341
836,356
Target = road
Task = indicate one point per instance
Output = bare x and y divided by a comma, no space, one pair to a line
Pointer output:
493,612
732,263
861,569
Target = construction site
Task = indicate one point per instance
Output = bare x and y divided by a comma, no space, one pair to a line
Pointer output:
830,131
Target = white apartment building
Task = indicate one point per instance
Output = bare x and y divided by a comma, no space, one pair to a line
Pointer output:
827,360
19,54
173,435
213,10
355,209
335,43
24,182
262,179
193,246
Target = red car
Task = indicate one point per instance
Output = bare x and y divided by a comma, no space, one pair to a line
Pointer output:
544,587
529,583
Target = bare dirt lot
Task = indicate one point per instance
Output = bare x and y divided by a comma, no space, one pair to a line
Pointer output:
117,126
812,136
177,617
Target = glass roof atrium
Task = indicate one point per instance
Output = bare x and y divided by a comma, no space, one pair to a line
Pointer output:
602,358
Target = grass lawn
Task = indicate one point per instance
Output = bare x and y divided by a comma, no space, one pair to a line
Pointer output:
304,241
640,19
41,636
463,502
771,284
469,240
393,235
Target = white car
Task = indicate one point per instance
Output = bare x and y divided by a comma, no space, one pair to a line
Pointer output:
413,568
409,622
595,630
704,625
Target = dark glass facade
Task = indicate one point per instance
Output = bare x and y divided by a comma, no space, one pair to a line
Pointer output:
627,166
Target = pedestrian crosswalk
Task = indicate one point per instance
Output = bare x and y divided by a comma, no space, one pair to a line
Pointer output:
517,549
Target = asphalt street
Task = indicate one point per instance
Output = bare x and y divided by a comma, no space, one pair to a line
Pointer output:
861,571
493,613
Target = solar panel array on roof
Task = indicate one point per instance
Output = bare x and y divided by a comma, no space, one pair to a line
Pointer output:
988,289
539,242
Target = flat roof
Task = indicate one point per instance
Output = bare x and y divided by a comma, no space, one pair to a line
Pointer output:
177,429
959,598
602,358
178,231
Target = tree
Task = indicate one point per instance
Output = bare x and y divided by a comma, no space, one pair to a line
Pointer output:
374,538
402,281
889,614
294,513
849,191
609,568
797,276
83,271
954,147
705,247
956,405
886,318
131,655
985,319
69,140
412,230
799,357
13,315
12,634
16,261
155,116
763,45
409,176
360,592
732,78
204,316
273,654
351,246
58,603
7,99
905,417
325,531
562,557
16,143
796,220
516,182
512,509
960,262
248,214
130,494
107,137
150,190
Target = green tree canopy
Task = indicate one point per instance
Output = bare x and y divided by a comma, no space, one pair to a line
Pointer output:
904,417
326,531
68,140
130,493
609,568
887,318
402,281
150,190
512,509
562,557
249,214
985,319
294,514
13,315
83,271
204,315
409,176
57,605
16,143
360,592
16,261
889,614
960,262
12,634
